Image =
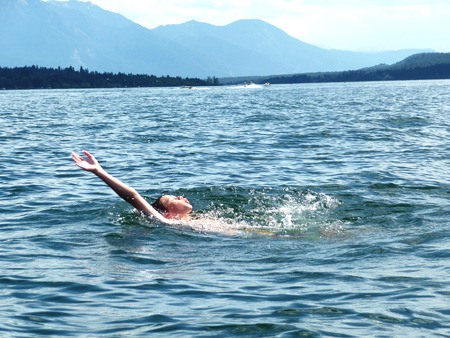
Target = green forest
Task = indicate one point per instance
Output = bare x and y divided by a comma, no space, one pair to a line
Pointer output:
424,66
34,77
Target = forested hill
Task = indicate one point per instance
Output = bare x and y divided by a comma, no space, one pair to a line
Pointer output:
423,60
423,66
35,77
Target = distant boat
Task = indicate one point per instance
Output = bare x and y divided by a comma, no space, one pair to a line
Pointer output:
267,84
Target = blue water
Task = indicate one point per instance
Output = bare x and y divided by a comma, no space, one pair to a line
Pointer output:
338,196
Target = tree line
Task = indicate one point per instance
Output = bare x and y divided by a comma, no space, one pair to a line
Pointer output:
434,72
34,77
423,66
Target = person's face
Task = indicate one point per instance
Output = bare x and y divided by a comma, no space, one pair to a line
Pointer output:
176,205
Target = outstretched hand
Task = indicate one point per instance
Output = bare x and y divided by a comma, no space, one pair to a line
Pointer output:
89,163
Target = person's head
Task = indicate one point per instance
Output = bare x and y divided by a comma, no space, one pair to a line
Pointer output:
172,206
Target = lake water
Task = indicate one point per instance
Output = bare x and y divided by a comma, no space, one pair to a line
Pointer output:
340,193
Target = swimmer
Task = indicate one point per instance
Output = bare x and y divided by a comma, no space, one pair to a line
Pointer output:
167,208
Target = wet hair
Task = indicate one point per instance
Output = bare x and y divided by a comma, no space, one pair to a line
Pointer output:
157,204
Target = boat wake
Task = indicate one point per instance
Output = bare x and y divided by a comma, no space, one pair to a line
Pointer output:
249,85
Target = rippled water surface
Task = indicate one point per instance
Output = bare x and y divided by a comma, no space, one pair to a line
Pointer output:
320,210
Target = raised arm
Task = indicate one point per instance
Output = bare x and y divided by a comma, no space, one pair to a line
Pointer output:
126,192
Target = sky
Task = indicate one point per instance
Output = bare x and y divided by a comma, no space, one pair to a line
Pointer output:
356,25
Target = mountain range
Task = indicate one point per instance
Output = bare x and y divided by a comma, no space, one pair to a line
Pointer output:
80,34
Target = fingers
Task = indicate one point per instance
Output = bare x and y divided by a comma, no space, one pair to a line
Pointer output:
88,163
77,159
89,155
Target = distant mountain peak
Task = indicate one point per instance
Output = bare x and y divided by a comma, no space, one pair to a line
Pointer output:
191,24
250,22
52,33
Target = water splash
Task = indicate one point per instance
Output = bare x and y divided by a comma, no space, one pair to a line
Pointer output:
271,211
266,211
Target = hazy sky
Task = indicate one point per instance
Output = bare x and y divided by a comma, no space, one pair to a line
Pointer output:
359,25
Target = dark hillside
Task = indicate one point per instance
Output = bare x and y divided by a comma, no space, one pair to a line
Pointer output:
423,66
423,60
